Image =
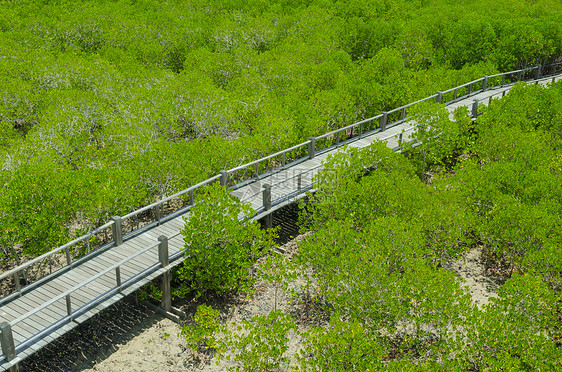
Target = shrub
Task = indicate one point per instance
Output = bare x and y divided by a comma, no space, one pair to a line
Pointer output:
221,244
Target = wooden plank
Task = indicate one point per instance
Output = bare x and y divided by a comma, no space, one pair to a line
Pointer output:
166,230
141,262
84,294
93,269
98,308
44,296
30,303
81,295
77,278
128,270
145,240
21,333
176,243
177,222
110,259
84,272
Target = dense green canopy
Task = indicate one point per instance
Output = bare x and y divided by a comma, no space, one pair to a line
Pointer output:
106,105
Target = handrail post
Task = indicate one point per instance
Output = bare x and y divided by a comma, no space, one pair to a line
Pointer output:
439,97
485,83
224,177
312,147
68,257
474,108
538,72
163,256
191,200
7,341
17,283
299,182
384,120
157,213
360,130
69,306
117,231
118,277
267,204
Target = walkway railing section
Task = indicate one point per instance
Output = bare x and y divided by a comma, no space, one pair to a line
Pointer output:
19,280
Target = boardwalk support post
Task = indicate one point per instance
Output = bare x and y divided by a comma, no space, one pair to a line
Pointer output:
267,205
439,97
485,83
312,147
164,261
474,109
117,231
8,347
224,177
384,120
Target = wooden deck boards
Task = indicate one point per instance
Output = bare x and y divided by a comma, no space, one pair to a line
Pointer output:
285,188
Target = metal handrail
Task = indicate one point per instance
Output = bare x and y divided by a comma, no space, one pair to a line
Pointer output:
54,251
463,85
180,193
244,166
78,286
325,135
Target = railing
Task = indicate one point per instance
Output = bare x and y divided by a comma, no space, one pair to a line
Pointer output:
161,260
53,262
253,171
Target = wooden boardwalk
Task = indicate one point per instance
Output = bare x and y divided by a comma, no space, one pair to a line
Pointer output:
70,296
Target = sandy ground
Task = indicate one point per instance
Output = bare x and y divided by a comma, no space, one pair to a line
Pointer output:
156,348
472,272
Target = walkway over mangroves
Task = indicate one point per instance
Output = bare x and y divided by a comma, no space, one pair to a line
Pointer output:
53,293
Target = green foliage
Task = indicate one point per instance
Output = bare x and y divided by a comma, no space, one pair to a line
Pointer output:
169,93
221,244
150,290
343,346
202,336
444,140
260,345
381,254
520,329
